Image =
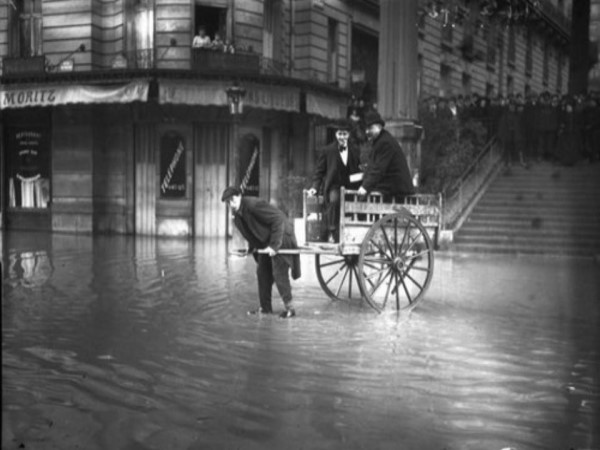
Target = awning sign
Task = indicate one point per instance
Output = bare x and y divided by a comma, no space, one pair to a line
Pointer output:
52,95
190,93
326,106
214,93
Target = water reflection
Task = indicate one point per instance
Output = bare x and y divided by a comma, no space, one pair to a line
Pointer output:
121,343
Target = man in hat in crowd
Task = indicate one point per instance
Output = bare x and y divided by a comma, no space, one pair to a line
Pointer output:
387,170
267,228
336,162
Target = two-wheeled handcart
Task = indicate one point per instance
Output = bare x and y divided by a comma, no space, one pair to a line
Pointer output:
385,253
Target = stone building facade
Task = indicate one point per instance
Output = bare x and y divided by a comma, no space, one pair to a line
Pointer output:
113,122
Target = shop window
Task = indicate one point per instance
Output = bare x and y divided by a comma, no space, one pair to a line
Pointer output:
332,50
28,167
25,29
172,166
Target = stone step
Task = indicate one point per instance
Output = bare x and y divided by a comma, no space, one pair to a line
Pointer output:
567,240
547,211
543,210
523,250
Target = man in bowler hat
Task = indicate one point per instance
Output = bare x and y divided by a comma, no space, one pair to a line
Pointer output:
387,170
336,162
266,227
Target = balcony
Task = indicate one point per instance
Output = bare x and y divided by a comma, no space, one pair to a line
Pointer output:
211,61
23,67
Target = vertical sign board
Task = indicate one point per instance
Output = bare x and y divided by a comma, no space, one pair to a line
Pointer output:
249,164
172,166
28,167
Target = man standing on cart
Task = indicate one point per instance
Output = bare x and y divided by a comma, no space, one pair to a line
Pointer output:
267,228
387,170
336,163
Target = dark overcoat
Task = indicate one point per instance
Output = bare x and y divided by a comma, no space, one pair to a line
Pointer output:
330,171
387,170
263,225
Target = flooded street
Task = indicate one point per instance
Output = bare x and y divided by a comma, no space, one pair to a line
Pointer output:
133,343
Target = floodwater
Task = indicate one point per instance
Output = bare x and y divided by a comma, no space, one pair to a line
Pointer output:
124,343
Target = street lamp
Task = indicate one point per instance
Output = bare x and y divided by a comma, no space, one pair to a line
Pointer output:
235,97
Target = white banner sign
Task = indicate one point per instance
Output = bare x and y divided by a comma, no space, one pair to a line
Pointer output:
52,95
326,106
214,93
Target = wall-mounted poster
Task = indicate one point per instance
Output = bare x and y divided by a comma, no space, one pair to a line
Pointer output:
249,164
172,165
29,164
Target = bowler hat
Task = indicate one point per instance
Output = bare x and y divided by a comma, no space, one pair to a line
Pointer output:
372,117
342,125
230,192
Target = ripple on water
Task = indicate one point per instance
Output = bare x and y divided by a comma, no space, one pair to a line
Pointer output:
146,343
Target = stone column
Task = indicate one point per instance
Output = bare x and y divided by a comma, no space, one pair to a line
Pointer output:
398,75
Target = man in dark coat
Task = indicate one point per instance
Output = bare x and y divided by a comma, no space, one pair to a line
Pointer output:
336,162
266,227
387,170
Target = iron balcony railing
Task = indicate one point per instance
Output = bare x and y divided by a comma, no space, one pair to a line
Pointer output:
201,61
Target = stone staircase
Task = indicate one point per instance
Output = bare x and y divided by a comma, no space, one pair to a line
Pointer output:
546,209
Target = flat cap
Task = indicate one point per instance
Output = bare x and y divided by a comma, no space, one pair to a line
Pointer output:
230,192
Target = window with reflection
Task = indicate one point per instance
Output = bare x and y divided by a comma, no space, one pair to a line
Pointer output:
28,167
25,29
172,165
140,33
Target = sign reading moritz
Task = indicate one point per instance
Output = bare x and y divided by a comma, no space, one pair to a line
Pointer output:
47,95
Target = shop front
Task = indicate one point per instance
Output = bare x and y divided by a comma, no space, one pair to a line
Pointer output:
115,159
47,167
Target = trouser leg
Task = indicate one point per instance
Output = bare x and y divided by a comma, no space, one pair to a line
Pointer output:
264,275
332,212
281,276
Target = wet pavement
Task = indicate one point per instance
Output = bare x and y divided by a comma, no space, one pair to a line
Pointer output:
140,343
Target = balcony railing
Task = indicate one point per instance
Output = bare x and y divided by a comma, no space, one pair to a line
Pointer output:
206,60
22,67
203,61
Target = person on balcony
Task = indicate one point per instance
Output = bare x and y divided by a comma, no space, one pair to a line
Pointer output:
387,170
217,43
201,40
336,164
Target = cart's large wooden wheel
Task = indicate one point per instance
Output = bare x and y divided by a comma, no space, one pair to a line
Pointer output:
395,263
338,276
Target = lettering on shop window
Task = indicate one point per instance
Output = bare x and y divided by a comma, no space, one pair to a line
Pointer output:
28,168
172,166
249,164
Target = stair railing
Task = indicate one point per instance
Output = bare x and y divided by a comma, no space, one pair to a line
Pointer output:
460,197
